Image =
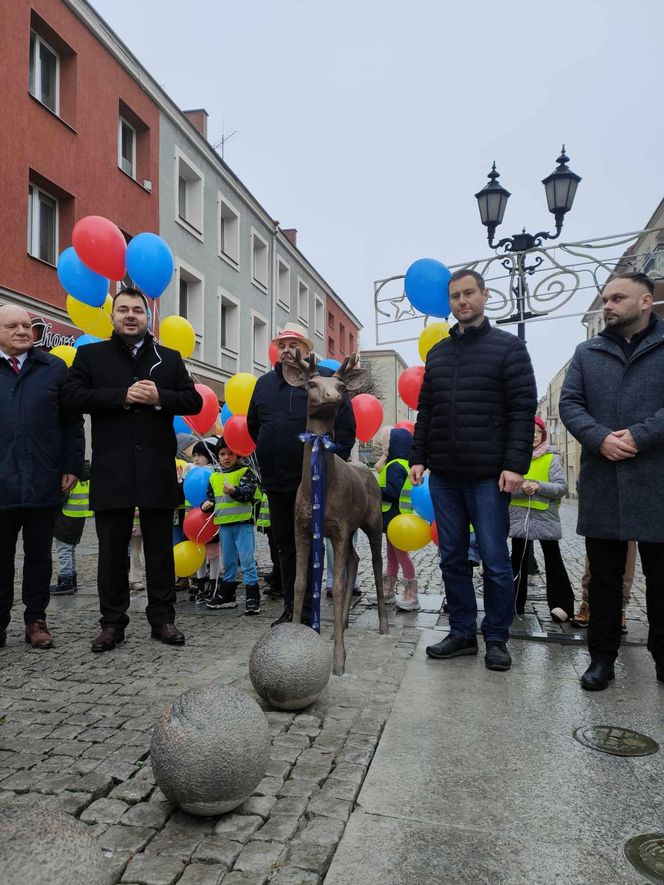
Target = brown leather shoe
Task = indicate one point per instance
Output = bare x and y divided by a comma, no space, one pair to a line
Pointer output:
37,634
3,637
108,639
169,634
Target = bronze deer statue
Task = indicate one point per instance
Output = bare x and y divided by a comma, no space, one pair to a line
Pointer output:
353,499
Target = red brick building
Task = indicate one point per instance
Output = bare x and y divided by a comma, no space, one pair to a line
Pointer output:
342,330
80,137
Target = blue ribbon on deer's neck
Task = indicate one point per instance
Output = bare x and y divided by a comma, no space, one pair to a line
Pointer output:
320,444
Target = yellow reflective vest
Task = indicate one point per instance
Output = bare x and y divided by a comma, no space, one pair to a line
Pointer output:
226,509
537,472
405,503
78,502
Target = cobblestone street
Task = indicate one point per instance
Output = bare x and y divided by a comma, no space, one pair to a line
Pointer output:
75,727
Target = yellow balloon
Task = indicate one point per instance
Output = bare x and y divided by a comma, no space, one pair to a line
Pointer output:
65,352
408,531
188,557
238,392
178,333
92,320
432,334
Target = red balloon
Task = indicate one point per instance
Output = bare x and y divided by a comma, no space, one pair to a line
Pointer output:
236,436
100,245
406,425
409,385
199,527
368,416
273,354
434,533
206,418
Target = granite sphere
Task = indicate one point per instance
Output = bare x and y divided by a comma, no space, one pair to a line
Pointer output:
290,666
44,845
210,749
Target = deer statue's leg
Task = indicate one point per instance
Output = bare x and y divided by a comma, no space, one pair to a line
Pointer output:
302,553
352,560
375,535
339,547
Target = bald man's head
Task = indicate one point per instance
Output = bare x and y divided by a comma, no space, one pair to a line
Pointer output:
15,330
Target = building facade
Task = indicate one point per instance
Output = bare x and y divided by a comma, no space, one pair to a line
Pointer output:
383,369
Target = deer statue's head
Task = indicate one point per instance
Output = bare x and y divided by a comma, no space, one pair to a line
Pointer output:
325,391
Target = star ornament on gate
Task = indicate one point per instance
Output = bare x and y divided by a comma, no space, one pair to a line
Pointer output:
399,311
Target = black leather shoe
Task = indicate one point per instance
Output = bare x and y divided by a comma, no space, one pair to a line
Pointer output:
169,634
108,639
285,617
598,675
497,656
452,647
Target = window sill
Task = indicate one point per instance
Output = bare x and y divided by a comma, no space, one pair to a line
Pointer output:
41,261
304,320
261,286
231,262
230,352
189,228
135,180
320,334
53,114
283,305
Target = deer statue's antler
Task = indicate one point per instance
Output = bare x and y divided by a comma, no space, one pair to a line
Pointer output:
347,366
309,366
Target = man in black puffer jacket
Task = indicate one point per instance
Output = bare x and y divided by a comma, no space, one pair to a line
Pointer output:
277,414
474,431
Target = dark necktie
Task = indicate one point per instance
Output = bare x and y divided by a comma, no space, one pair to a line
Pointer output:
13,362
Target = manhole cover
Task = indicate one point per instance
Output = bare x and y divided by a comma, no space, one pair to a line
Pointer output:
646,853
616,741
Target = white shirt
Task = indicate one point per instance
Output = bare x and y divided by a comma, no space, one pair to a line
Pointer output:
20,358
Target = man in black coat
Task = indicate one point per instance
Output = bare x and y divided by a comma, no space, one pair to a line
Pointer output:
133,387
277,415
41,458
474,431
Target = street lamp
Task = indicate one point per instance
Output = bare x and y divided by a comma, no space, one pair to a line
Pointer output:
560,188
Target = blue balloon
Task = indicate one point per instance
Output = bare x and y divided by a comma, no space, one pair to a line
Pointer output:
195,485
79,281
422,503
150,263
82,340
427,282
180,425
330,364
225,414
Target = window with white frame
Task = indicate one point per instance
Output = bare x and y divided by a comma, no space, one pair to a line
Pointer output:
283,283
189,194
42,225
126,147
319,316
229,231
44,80
190,303
303,301
229,323
259,260
259,341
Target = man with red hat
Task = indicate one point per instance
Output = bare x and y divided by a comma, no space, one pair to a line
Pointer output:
277,415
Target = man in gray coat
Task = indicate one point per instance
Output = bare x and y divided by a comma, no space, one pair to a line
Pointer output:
613,402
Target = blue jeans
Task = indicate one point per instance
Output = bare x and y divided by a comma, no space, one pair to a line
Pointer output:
456,504
238,542
66,559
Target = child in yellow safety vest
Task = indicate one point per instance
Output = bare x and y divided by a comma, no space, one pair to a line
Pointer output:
534,517
202,455
67,533
231,495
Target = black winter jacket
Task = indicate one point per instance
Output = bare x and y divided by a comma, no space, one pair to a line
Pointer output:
133,447
277,414
42,440
477,406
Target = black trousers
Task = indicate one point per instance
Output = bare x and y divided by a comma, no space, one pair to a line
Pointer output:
606,559
282,523
559,593
37,524
114,534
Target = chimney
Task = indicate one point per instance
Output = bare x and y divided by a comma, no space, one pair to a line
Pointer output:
290,234
198,118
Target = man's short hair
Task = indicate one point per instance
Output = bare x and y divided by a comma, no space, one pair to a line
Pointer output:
636,276
133,292
460,274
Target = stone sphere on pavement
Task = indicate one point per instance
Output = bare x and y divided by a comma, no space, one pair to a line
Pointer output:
44,845
290,666
210,749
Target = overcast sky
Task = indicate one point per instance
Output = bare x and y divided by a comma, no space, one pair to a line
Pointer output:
369,126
